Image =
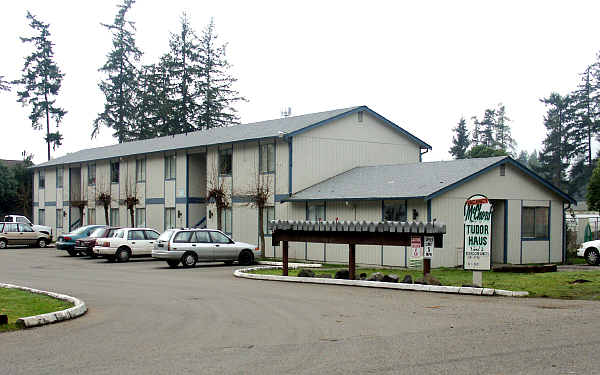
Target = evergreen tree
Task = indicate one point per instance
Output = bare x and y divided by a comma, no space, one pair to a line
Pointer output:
523,157
154,108
476,134
579,177
460,142
41,82
4,85
488,127
216,84
593,192
119,85
559,146
483,151
185,74
503,136
586,100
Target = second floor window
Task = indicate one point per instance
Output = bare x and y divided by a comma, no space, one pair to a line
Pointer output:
114,172
225,161
42,179
267,158
140,170
60,176
316,212
91,174
170,167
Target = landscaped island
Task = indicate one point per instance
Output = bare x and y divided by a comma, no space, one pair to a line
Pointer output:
18,304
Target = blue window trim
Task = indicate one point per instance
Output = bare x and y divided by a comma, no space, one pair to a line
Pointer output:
505,257
219,150
260,151
529,239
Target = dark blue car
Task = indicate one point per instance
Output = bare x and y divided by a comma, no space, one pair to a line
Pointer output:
67,241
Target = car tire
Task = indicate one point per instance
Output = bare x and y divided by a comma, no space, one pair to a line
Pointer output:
3,244
246,258
188,260
592,256
173,263
42,243
228,262
123,255
110,258
72,253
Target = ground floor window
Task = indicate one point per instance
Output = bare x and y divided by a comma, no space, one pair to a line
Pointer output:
91,216
227,220
535,223
41,216
59,218
268,215
170,218
394,210
316,212
140,217
114,217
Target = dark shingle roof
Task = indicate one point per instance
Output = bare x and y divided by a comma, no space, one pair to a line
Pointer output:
401,181
237,133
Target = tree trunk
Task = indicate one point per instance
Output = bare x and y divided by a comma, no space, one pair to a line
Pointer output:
219,214
106,215
261,231
132,217
47,123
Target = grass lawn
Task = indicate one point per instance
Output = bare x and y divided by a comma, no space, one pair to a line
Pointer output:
551,284
18,304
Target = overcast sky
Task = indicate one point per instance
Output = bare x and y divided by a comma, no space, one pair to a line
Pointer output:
421,64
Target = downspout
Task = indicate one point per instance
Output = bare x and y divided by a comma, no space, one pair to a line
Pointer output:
422,153
564,234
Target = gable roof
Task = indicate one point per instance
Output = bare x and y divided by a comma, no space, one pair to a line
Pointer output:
404,181
289,126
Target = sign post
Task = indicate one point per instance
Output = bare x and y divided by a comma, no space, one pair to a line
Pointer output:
416,254
478,230
427,254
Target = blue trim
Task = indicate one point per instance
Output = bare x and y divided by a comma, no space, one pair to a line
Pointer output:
549,230
290,156
511,161
203,220
280,197
429,210
187,187
155,201
305,243
382,218
196,200
50,204
292,199
564,233
183,200
521,235
36,204
505,257
240,199
371,112
527,239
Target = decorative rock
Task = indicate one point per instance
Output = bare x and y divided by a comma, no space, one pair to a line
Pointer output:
407,279
420,281
306,273
376,276
432,280
363,276
391,278
342,274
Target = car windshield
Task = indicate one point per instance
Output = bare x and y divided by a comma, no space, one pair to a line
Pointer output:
98,232
79,230
166,235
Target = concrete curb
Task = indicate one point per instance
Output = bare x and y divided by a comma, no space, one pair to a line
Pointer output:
290,265
39,320
243,273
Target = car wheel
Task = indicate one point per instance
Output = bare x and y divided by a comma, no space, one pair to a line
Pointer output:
188,260
173,263
123,255
72,253
592,256
229,262
246,258
42,243
92,255
2,244
110,258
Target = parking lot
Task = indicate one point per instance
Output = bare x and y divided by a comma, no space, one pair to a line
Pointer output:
145,318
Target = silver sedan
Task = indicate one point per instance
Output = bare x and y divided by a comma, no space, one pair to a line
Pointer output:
189,246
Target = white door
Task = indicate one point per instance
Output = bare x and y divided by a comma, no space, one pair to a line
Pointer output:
138,243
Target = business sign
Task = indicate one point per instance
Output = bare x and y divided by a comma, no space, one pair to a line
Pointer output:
428,247
478,231
415,246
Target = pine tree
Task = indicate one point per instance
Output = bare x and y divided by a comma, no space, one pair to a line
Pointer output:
559,146
586,105
41,82
503,135
523,157
460,142
216,84
154,105
476,134
593,192
119,86
4,85
185,74
488,127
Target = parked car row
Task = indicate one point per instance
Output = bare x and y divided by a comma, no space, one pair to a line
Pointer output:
185,246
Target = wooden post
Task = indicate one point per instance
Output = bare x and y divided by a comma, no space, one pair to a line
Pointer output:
426,266
285,258
352,261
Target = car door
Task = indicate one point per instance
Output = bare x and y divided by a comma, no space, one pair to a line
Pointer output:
183,241
11,231
223,248
137,242
29,235
204,247
151,238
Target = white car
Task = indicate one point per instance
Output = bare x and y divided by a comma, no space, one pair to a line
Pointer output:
127,243
590,251
22,219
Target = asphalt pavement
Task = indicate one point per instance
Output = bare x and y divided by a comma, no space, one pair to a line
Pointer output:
145,318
